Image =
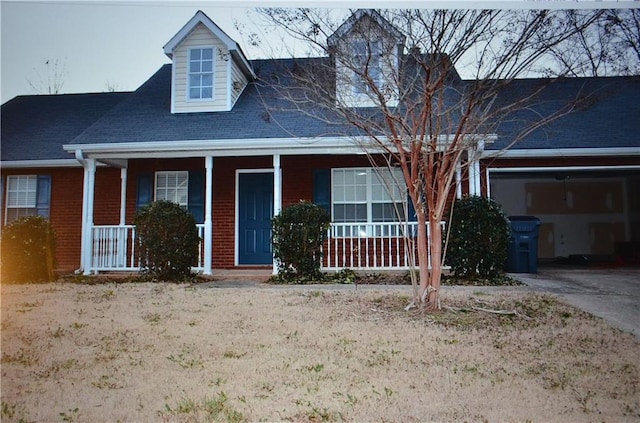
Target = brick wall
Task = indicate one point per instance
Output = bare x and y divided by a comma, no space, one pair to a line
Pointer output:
65,213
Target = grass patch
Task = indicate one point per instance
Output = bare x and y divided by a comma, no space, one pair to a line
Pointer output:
213,409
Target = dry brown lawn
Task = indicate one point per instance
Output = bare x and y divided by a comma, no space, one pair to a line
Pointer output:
166,352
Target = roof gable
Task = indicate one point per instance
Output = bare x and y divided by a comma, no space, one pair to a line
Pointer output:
201,18
348,26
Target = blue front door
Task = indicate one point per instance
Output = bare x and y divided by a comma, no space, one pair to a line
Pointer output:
255,210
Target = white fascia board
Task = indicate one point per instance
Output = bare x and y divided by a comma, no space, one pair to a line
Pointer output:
219,148
240,147
561,152
543,169
25,164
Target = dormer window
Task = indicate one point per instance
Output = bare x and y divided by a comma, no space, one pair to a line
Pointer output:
200,74
367,58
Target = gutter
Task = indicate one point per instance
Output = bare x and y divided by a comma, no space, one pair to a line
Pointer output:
25,164
561,152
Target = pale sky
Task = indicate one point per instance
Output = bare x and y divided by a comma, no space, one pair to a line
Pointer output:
98,43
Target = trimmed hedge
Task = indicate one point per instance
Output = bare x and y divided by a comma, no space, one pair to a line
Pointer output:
167,240
298,233
28,251
478,238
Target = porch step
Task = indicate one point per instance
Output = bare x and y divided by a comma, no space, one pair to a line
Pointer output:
257,275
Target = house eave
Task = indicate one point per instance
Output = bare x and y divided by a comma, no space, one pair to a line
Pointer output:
219,148
26,164
539,153
245,147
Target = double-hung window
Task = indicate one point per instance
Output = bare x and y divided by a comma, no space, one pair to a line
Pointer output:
27,195
200,74
173,186
372,196
367,62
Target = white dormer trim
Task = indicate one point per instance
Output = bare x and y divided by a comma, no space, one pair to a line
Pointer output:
348,25
232,46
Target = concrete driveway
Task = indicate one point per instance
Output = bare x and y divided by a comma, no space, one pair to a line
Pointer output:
613,294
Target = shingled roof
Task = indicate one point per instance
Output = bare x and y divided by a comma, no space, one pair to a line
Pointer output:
606,114
35,127
146,117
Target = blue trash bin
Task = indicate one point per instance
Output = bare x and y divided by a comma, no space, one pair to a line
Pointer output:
522,254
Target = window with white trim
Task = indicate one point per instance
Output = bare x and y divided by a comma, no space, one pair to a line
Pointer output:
173,186
367,195
21,197
200,78
367,59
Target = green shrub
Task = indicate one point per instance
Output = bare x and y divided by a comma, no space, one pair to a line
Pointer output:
167,240
28,250
298,233
478,239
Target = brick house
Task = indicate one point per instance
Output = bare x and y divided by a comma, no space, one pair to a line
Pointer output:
199,133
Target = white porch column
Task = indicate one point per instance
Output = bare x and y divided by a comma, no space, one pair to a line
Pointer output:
474,169
87,213
208,221
277,195
474,177
458,181
123,196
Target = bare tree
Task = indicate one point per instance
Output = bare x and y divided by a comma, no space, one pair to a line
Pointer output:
112,87
609,47
391,78
53,80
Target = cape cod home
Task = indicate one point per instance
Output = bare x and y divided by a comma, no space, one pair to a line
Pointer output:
198,133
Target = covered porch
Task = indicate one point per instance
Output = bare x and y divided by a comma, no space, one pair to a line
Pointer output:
288,165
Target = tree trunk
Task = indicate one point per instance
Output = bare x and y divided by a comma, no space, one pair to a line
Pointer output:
423,254
432,299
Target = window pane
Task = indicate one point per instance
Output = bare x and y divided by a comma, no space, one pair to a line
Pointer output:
207,53
194,93
207,80
194,67
195,54
338,213
361,193
338,177
338,194
207,66
207,93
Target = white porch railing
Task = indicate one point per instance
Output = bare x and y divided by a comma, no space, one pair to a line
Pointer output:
358,246
114,249
371,246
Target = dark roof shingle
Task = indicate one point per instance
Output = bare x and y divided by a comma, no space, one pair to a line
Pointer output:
35,127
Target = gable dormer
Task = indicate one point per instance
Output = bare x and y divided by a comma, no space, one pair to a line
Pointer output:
209,69
366,47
